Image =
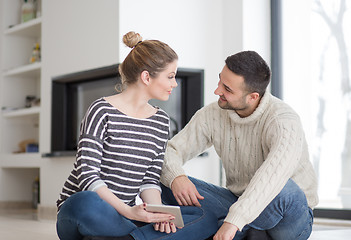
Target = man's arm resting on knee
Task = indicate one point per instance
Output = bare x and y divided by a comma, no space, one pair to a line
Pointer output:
185,192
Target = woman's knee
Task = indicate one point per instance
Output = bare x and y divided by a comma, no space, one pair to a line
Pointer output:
72,214
92,215
84,206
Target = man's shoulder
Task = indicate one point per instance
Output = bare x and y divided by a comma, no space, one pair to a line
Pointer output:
280,110
279,105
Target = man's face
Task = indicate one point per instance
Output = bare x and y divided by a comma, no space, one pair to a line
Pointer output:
232,93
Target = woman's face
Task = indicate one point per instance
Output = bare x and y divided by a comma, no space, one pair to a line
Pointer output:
161,86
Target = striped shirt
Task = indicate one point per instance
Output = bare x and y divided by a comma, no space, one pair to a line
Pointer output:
120,152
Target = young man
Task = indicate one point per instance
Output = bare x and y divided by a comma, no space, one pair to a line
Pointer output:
270,182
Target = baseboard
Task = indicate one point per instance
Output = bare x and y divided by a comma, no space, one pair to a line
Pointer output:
332,222
15,205
47,212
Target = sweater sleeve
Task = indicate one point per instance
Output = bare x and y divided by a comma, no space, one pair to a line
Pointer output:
284,140
152,175
90,147
88,163
192,140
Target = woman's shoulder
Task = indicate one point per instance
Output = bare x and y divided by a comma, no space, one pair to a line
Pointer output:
98,109
161,116
161,112
100,102
100,105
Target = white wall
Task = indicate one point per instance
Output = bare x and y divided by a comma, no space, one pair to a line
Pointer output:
77,35
257,28
191,28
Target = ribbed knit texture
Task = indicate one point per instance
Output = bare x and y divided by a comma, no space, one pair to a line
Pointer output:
259,154
120,152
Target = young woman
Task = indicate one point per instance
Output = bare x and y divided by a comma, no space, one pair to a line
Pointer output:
120,156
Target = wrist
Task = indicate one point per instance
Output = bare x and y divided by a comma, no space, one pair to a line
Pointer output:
180,176
125,211
232,225
177,178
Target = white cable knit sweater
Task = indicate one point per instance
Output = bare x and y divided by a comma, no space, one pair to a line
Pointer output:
259,154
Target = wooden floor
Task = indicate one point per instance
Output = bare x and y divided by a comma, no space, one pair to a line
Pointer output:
23,224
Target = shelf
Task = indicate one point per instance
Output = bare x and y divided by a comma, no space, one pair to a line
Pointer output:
22,112
30,70
31,28
20,160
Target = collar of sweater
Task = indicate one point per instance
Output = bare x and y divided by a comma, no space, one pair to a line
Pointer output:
255,115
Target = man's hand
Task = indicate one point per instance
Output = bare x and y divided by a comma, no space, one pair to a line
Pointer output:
185,192
226,232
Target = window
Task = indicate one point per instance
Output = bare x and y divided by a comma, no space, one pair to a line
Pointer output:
312,50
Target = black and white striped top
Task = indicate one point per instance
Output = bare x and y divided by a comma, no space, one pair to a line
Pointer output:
120,152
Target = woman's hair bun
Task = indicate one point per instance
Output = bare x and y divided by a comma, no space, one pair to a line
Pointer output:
131,39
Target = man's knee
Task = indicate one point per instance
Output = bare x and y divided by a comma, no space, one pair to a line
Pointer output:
291,191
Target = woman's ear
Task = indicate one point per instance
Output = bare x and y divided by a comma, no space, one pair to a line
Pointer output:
145,77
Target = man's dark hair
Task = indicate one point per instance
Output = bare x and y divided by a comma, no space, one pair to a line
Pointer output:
251,66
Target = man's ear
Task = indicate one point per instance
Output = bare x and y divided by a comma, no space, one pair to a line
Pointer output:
145,77
254,96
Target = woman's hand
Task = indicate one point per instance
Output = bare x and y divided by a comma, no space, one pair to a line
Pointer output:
166,227
139,213
153,196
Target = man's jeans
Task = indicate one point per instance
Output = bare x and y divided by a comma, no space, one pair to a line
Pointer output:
286,217
86,214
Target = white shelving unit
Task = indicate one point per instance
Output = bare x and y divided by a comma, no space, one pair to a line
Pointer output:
21,160
22,112
31,70
18,79
31,28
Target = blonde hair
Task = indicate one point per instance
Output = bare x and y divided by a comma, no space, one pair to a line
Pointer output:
150,55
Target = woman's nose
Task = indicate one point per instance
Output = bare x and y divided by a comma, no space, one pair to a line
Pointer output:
175,84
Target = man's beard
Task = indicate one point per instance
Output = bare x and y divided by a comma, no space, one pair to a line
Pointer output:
227,106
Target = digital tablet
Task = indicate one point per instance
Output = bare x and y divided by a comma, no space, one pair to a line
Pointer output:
174,210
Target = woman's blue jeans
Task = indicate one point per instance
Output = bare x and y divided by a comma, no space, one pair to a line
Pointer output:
86,214
286,217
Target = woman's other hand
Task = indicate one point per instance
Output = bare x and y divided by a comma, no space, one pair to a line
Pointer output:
166,227
139,213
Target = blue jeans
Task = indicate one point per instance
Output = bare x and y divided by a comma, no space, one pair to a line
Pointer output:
86,214
286,217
